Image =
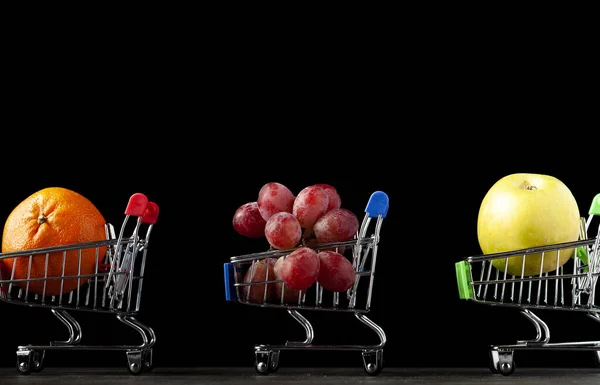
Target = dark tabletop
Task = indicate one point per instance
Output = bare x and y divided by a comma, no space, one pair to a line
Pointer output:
314,376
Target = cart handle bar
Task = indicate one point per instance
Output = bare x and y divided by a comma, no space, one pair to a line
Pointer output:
378,205
595,207
139,206
151,214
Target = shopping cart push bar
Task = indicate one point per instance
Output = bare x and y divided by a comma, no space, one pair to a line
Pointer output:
115,287
362,250
571,287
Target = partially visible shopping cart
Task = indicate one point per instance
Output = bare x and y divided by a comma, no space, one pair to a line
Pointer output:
357,300
571,287
115,287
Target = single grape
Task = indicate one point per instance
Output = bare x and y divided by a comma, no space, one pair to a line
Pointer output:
289,294
273,198
248,222
300,269
335,202
256,273
283,230
337,225
310,204
335,271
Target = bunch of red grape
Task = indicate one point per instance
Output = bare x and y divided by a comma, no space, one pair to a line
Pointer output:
289,221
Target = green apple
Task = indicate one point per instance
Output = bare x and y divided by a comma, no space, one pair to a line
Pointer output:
528,210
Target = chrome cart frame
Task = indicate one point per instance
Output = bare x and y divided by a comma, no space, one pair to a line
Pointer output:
115,287
571,287
357,300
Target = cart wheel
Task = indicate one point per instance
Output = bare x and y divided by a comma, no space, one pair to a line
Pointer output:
262,362
25,363
38,360
507,368
134,369
373,361
274,361
493,363
502,361
147,360
135,364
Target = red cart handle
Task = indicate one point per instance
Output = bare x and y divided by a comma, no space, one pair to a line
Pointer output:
151,214
137,205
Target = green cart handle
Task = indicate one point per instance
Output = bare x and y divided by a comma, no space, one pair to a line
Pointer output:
595,207
463,280
581,252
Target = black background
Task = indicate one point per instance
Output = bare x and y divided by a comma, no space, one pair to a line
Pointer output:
434,129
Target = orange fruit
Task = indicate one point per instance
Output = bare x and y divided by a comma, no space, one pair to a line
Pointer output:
53,216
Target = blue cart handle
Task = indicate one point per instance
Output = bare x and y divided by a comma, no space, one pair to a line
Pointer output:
230,291
378,205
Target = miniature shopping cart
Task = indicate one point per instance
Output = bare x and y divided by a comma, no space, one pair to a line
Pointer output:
357,299
571,287
115,287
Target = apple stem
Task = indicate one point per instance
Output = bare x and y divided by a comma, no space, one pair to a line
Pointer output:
527,186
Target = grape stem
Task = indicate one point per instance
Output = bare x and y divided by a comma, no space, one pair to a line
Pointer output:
308,234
